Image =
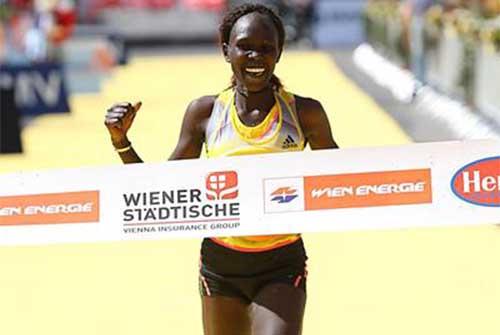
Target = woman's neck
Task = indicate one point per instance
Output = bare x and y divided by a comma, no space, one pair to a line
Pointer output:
254,106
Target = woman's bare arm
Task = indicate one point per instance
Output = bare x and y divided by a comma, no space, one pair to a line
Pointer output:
315,124
119,118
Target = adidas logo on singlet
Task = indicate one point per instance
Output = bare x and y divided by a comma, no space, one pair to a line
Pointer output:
289,143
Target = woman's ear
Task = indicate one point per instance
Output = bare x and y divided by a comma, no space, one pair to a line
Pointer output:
225,51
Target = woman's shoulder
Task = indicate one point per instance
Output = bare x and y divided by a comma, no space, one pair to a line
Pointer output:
315,124
203,102
309,112
307,104
201,107
206,103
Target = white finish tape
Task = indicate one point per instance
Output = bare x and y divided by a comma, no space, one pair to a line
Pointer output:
432,184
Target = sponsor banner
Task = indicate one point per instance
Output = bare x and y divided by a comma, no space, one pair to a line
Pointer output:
478,182
386,188
67,207
212,204
432,184
39,88
351,190
222,185
283,195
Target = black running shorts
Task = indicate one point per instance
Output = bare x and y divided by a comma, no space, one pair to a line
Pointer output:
227,272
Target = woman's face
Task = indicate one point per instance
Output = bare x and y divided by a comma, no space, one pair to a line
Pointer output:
253,51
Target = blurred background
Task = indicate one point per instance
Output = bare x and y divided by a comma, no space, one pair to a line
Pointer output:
388,72
52,50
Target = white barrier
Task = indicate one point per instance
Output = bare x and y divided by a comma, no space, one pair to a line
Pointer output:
447,183
464,123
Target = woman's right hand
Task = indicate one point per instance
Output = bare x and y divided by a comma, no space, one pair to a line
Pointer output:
118,120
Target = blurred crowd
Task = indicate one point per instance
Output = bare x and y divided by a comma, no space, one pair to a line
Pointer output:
31,31
453,45
409,24
297,15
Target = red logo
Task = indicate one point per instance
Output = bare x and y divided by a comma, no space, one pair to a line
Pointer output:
479,182
222,185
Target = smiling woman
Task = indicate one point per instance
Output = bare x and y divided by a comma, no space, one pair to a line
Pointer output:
249,284
253,47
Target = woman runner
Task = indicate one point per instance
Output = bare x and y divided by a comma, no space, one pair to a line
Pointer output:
253,284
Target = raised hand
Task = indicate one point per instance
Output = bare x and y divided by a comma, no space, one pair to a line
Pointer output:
119,119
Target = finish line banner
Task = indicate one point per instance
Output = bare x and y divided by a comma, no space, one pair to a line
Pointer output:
417,185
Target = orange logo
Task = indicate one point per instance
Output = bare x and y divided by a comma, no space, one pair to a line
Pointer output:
222,185
68,207
368,189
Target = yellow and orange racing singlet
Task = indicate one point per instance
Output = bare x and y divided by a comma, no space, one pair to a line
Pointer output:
226,135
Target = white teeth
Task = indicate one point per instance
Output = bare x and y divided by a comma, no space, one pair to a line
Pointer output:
255,70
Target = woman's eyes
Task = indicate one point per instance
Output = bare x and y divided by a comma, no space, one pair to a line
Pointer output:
244,47
267,48
263,48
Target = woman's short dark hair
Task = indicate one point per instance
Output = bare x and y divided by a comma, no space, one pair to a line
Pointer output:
233,15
